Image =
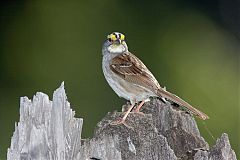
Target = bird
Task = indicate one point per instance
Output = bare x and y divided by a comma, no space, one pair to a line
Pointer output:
131,79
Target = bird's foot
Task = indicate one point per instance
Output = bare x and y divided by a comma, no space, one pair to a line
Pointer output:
119,122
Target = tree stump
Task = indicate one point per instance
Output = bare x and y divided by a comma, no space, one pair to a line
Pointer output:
48,130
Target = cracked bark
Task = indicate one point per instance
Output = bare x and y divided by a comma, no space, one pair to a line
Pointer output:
48,130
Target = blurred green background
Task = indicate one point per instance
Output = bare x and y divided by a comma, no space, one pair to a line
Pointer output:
191,46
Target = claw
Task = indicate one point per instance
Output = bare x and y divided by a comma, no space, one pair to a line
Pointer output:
121,121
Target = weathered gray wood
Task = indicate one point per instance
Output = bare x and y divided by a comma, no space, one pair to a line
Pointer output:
222,149
48,130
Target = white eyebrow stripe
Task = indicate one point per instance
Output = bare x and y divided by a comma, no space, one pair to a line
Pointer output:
118,35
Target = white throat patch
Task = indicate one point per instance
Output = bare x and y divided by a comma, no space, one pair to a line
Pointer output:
116,48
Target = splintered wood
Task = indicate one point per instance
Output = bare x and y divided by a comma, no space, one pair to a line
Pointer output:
48,130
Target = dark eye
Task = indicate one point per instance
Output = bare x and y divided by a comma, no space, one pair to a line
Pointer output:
109,39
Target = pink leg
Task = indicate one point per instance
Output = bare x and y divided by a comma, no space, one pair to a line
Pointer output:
137,110
122,120
128,111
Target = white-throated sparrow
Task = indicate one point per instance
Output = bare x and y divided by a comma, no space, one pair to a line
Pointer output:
130,78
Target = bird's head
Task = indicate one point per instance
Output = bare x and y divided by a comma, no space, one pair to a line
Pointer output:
115,43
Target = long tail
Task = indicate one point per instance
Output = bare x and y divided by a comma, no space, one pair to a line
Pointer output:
176,99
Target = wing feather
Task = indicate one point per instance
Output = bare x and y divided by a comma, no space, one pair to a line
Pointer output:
131,68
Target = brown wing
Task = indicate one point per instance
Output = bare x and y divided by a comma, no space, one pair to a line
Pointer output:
130,68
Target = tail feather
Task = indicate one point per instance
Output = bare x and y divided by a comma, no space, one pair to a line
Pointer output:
176,99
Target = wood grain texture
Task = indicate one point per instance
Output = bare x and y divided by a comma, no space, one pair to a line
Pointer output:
48,130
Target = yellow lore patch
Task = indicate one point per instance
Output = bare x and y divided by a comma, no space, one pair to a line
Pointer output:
112,37
116,36
122,37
